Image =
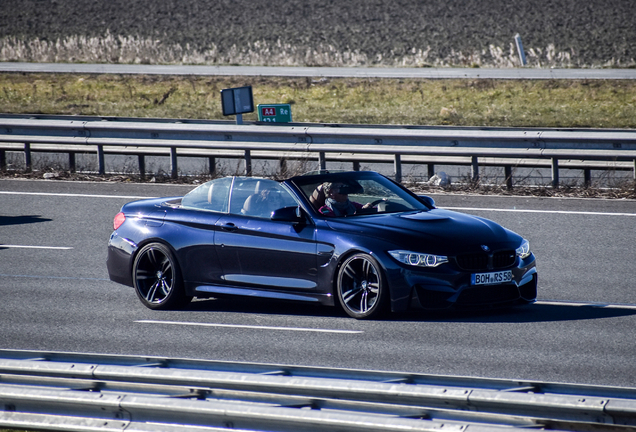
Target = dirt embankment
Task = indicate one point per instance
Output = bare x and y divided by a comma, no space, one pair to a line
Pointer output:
323,33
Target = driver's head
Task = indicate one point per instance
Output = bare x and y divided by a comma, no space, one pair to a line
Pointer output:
336,191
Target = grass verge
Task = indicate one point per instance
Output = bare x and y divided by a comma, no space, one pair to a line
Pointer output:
506,103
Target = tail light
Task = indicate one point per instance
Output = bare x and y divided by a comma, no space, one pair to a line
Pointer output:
120,218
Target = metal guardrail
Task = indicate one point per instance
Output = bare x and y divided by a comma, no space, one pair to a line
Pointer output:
331,72
584,149
89,392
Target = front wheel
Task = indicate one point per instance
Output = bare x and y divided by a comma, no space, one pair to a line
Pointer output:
157,279
361,287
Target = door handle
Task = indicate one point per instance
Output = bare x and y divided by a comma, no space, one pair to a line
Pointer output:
230,227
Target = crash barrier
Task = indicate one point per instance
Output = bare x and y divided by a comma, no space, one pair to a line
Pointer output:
505,147
87,392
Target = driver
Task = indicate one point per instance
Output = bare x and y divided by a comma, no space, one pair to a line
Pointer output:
337,201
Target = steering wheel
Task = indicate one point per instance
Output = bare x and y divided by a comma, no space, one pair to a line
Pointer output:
378,201
372,205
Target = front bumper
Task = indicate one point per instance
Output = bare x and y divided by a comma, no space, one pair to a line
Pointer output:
475,297
451,288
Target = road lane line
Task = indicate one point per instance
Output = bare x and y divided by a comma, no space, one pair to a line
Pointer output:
238,326
34,247
52,277
588,304
72,195
566,212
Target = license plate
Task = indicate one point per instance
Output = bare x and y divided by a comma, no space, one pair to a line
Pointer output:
491,278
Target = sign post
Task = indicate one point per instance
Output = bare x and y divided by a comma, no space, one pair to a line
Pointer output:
275,113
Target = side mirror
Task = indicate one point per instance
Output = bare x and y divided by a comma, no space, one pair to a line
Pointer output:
430,202
288,214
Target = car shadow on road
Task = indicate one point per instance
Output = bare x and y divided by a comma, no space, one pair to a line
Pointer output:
20,220
522,314
263,306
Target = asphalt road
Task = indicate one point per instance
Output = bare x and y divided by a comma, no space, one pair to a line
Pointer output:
325,72
55,295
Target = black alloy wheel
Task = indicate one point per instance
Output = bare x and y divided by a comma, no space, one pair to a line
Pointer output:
361,287
157,278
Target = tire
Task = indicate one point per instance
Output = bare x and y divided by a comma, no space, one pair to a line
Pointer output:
362,290
157,279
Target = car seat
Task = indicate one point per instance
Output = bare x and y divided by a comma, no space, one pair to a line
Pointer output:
317,198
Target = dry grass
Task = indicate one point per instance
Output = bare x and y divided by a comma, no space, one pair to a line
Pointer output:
598,104
136,50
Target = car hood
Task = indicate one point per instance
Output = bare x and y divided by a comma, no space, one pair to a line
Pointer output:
436,231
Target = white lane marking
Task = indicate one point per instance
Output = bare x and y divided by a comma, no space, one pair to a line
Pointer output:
238,326
566,212
74,195
52,277
589,304
34,247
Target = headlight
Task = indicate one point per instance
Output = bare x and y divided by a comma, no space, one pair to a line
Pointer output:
418,259
523,251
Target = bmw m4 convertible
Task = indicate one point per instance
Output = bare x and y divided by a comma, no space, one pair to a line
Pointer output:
353,239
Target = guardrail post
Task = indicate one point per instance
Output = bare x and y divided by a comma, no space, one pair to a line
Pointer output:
282,165
322,160
27,156
398,168
587,177
634,169
142,165
356,166
3,160
174,169
248,163
101,165
508,174
71,161
212,164
555,172
474,167
431,170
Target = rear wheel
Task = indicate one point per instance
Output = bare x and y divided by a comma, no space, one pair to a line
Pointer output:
157,278
361,287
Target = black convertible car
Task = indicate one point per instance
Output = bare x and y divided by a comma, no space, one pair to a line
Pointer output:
356,239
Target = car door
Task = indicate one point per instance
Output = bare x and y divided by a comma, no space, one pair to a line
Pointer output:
257,252
197,219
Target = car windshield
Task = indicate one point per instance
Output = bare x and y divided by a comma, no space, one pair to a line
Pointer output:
356,193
